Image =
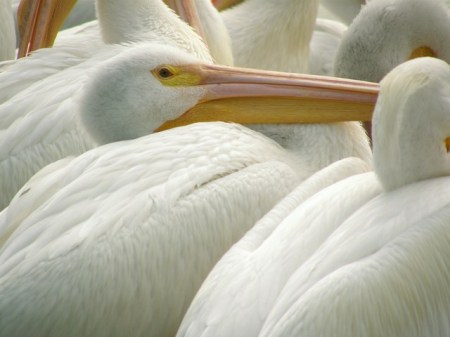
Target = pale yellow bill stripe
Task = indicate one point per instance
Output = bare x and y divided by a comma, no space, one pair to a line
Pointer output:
248,96
39,22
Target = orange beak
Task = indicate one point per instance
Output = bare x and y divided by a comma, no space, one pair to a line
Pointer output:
39,22
249,96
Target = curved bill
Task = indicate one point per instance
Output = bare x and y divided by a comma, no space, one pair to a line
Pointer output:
187,10
248,96
39,22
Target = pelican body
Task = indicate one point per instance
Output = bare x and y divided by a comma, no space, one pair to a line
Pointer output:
383,271
117,241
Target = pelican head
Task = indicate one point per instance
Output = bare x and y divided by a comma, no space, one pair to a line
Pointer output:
389,32
153,87
411,123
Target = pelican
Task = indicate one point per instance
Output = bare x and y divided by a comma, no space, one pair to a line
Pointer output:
117,241
240,291
389,32
375,43
384,271
7,32
50,95
247,290
141,88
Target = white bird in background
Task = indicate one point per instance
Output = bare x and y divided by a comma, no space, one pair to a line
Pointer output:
238,294
389,32
285,35
117,241
272,35
327,37
7,32
385,271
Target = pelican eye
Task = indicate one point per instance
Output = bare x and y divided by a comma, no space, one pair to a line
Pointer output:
175,76
165,72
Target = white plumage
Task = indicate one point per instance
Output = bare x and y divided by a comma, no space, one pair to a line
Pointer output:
56,118
276,35
389,32
327,37
117,241
239,293
345,10
383,271
218,41
39,122
283,36
126,97
301,277
212,30
272,35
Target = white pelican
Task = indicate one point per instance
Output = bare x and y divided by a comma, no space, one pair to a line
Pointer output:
7,32
238,294
141,88
389,32
385,271
117,241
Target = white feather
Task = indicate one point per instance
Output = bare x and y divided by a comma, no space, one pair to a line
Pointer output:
382,271
117,241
